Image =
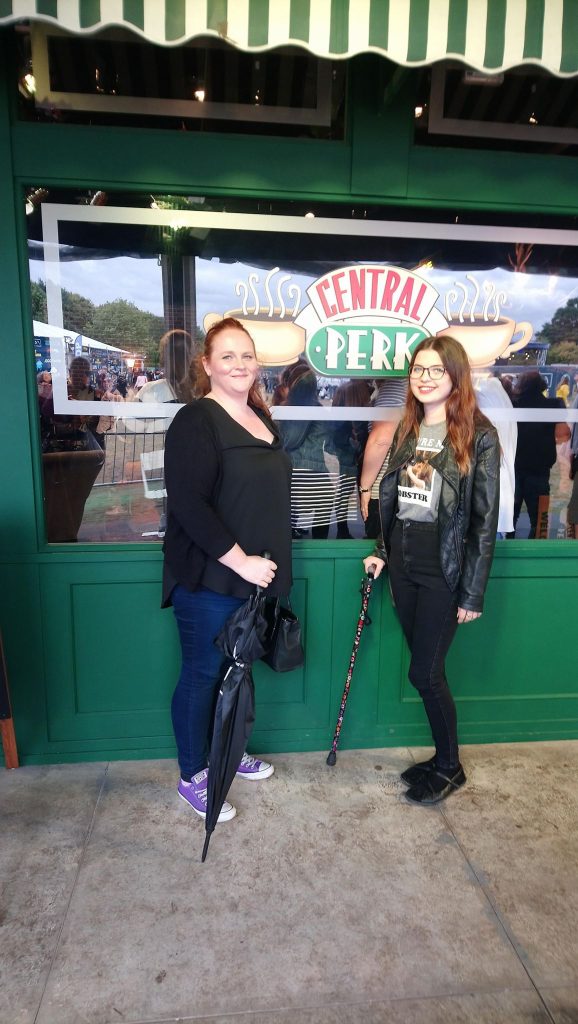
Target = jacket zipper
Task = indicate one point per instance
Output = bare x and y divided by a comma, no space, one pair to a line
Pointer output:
459,546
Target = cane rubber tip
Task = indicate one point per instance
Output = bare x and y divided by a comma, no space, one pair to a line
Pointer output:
331,758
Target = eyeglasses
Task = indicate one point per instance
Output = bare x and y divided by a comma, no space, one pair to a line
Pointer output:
433,372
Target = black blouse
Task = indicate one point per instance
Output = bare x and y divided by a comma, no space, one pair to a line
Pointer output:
224,486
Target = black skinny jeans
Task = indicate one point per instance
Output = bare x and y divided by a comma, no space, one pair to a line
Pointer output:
427,610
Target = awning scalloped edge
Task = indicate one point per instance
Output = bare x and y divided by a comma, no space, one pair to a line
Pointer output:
488,35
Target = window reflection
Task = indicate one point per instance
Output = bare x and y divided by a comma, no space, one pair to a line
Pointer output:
542,460
103,474
112,370
572,510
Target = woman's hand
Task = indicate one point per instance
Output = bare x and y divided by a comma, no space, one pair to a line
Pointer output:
252,568
257,570
373,564
364,505
466,616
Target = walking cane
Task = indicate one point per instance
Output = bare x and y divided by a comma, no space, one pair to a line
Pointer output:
363,620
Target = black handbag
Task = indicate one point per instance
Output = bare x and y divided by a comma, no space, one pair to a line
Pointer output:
284,650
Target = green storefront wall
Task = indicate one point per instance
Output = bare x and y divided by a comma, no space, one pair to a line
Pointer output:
91,658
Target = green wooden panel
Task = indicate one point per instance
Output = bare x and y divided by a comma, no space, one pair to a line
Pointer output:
375,714
165,161
111,654
22,633
18,533
497,179
381,131
299,700
530,621
110,658
121,665
380,164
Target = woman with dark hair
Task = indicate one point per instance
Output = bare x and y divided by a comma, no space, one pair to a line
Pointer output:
228,486
176,351
439,501
536,448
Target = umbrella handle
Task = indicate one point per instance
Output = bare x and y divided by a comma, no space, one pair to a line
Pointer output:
264,554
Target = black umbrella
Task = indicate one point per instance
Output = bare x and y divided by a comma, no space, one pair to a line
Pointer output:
242,640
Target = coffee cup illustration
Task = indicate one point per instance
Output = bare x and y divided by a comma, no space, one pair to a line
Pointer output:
487,340
278,342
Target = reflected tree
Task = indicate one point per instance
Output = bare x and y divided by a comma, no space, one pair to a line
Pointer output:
562,334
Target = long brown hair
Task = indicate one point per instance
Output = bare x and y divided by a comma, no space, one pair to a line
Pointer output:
175,353
462,412
203,381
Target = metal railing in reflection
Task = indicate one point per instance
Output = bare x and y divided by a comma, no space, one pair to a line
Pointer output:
123,463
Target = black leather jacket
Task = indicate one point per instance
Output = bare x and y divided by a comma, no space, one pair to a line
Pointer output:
467,513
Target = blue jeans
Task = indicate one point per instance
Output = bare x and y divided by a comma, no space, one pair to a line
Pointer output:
200,617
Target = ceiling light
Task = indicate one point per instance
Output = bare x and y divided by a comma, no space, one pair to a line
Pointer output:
27,85
310,214
418,111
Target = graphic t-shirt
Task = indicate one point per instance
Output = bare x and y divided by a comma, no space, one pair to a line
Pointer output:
418,491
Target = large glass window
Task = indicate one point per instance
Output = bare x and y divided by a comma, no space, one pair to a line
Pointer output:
123,288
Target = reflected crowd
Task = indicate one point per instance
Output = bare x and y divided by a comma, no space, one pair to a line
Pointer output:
104,473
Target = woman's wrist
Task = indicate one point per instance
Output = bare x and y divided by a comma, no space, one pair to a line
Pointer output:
235,559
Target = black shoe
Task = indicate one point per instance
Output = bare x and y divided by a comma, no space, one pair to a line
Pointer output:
416,773
436,785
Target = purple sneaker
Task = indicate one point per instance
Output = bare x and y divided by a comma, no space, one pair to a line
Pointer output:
253,769
195,794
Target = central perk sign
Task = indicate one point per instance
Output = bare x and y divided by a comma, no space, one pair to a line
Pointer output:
367,320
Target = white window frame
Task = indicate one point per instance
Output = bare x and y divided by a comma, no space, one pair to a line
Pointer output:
53,214
438,124
45,97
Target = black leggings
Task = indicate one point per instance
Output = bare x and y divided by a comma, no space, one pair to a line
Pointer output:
427,610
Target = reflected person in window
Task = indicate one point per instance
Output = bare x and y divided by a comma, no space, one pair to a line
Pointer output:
572,509
228,485
312,488
536,448
390,393
348,445
438,537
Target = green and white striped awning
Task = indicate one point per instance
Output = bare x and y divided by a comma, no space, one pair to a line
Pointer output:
490,35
